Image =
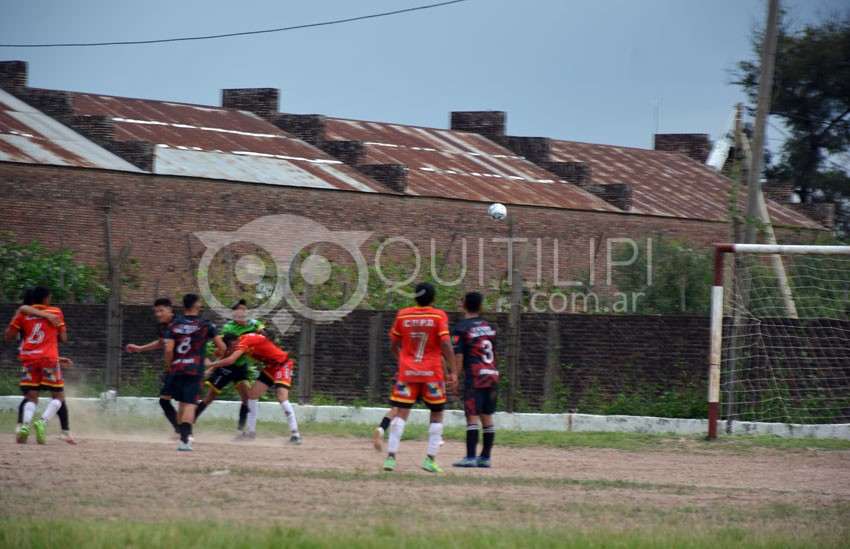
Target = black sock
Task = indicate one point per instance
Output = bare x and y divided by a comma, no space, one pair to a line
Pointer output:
63,417
21,410
185,431
170,413
201,407
243,416
385,423
489,437
472,439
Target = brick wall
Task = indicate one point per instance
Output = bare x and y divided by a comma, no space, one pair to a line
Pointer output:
607,354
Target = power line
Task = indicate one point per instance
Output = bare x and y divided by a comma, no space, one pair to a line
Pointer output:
232,34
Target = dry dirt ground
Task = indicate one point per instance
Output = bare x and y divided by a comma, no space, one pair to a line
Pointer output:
337,482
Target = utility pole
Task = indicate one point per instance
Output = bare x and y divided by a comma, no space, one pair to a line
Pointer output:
768,58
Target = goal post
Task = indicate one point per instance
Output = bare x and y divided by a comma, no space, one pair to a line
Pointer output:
780,335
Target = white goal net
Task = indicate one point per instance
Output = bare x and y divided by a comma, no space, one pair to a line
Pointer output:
785,334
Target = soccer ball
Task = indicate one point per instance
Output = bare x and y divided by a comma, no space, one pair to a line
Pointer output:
497,212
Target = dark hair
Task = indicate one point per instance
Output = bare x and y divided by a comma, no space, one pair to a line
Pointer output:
26,297
162,302
425,294
190,300
239,303
227,338
472,302
40,293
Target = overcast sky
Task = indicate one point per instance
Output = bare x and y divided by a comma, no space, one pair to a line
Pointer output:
579,70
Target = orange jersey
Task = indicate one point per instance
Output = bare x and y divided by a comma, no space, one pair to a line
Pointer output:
40,337
261,349
421,331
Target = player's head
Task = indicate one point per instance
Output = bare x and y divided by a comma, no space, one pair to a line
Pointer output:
472,302
26,297
240,310
425,294
41,295
192,304
162,309
231,340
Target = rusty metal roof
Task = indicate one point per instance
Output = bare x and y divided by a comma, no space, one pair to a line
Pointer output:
461,165
29,136
220,143
666,184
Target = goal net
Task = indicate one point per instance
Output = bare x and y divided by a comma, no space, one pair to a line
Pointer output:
780,342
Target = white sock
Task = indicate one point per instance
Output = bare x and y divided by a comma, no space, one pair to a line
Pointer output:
29,412
251,420
435,435
52,408
396,430
290,417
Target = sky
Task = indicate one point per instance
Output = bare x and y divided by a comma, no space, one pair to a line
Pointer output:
597,71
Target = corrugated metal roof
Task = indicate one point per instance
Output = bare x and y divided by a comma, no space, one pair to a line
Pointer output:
27,135
219,143
666,184
461,165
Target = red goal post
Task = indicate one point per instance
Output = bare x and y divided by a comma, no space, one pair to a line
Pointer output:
784,302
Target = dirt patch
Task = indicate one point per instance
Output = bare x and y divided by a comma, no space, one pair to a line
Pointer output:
337,482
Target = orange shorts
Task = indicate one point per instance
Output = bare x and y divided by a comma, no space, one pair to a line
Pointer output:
277,374
42,373
406,393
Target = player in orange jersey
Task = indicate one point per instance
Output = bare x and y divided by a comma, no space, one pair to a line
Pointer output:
39,355
420,340
277,373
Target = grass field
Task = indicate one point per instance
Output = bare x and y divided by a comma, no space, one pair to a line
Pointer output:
125,485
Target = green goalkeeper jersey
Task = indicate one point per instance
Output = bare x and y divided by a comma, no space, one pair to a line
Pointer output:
250,327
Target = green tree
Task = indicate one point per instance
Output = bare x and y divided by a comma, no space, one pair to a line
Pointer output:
26,265
811,95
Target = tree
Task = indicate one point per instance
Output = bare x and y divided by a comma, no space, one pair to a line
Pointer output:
811,95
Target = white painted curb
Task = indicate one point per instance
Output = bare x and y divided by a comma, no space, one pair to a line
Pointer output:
271,411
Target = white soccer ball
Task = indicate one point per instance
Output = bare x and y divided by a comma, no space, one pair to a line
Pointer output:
497,212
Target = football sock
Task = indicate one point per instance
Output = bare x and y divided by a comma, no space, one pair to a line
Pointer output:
201,407
29,412
396,430
435,435
185,431
170,413
489,437
471,439
52,408
290,417
251,420
63,417
21,411
385,423
243,415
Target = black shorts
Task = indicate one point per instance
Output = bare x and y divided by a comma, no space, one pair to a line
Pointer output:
186,388
231,374
480,401
165,387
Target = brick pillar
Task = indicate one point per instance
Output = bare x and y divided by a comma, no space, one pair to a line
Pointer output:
13,76
264,102
490,124
692,145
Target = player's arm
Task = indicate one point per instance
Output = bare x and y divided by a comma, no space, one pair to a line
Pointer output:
169,352
62,336
34,311
220,347
65,362
152,346
225,362
449,356
395,347
12,332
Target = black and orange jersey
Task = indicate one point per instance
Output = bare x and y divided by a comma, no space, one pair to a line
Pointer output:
475,339
40,338
190,335
421,331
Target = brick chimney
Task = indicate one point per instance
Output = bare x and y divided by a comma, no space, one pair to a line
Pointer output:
309,127
393,176
490,124
13,76
692,145
778,191
264,102
821,212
